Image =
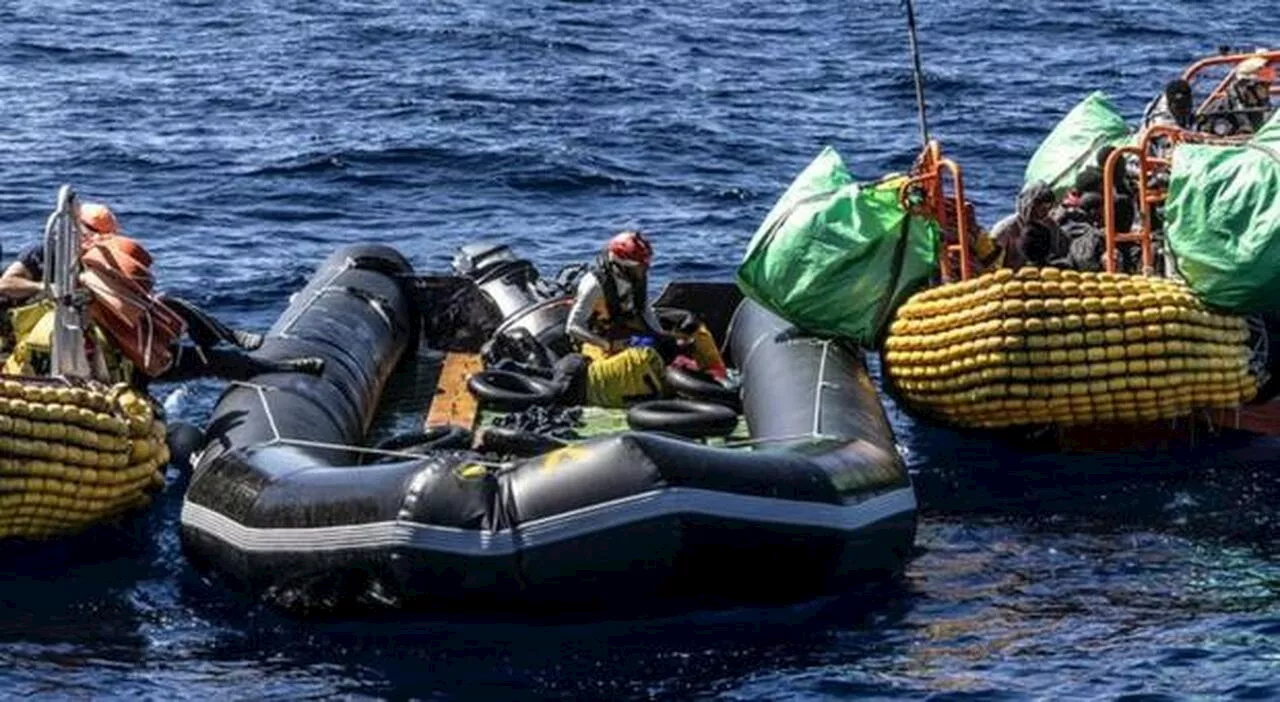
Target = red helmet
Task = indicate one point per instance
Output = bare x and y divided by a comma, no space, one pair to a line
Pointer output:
629,248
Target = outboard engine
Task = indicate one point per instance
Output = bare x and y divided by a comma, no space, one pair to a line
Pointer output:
533,311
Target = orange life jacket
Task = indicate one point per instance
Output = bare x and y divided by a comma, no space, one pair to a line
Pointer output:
121,254
116,270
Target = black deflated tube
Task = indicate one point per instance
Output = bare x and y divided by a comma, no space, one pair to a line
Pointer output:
356,315
797,386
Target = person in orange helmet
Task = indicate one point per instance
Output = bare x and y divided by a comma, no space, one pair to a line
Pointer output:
23,280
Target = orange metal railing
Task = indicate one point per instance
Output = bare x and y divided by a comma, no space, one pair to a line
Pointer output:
1196,69
1113,237
1149,196
925,193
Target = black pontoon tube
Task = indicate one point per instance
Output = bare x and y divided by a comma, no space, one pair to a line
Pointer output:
356,315
777,357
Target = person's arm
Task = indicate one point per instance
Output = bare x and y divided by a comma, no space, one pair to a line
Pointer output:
651,318
1007,235
1006,231
17,283
579,324
1037,244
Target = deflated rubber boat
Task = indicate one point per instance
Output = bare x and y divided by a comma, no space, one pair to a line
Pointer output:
285,504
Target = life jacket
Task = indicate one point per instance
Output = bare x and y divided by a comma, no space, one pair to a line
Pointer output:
116,270
617,320
32,353
121,254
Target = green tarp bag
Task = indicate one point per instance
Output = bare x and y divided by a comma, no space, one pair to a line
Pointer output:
1075,141
1222,220
835,257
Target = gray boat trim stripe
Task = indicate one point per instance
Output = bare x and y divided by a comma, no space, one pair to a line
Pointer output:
607,515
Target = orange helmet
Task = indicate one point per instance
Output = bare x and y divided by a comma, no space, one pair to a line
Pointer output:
98,218
630,249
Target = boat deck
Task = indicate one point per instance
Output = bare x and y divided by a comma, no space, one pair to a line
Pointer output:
433,390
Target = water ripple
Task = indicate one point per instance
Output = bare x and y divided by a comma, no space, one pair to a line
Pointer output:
244,141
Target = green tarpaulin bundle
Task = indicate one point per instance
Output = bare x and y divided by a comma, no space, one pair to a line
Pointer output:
1075,142
835,257
1222,220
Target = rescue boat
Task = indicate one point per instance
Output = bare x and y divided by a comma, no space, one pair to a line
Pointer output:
1105,359
805,496
77,447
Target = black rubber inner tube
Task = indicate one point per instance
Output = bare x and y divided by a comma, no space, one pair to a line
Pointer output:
698,385
693,419
508,391
515,442
421,442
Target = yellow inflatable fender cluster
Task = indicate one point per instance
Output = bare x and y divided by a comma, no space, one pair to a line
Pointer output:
72,456
1044,345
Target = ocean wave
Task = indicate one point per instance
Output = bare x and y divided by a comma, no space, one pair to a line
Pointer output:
72,52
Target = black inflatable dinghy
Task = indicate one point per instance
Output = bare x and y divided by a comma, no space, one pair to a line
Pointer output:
283,504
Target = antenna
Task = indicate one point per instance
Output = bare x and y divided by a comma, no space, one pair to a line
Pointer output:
919,72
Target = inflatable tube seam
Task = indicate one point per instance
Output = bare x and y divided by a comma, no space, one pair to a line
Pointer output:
643,507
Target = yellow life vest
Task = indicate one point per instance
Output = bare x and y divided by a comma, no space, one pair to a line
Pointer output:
33,346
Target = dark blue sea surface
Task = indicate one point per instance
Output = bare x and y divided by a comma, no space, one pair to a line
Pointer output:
244,140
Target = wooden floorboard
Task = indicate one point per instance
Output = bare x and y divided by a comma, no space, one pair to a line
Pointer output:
453,403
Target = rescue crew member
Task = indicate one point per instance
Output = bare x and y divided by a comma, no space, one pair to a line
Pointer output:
22,281
611,308
611,304
621,335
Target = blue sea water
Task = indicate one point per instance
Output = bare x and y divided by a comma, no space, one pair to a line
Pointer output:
243,140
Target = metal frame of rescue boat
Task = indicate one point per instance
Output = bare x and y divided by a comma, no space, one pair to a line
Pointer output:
62,240
278,504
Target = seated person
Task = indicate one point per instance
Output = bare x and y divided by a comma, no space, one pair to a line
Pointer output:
611,308
1246,106
624,346
1084,202
611,304
985,253
22,282
1029,236
1173,108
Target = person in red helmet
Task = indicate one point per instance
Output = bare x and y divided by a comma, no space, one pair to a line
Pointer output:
611,304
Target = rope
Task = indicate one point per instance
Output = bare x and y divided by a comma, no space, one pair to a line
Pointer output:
817,391
777,439
278,440
319,292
